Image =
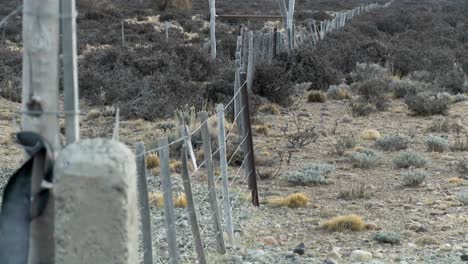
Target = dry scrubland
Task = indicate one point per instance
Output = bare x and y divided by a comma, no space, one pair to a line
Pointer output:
362,141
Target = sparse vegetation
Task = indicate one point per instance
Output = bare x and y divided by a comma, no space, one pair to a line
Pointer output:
409,159
460,143
350,222
317,97
437,144
293,201
344,143
463,197
358,108
262,130
462,167
152,161
408,87
355,191
270,108
393,142
366,159
427,103
312,174
413,178
339,92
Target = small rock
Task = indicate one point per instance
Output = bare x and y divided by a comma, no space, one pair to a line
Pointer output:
334,255
330,261
457,248
237,259
464,257
299,249
446,247
289,254
372,226
388,237
412,245
427,240
360,256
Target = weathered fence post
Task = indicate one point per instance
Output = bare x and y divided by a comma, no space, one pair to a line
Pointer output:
166,28
191,209
95,189
224,172
40,94
123,34
115,134
70,71
166,188
211,184
213,28
275,42
250,65
250,161
143,201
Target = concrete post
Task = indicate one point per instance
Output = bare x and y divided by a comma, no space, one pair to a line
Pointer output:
96,201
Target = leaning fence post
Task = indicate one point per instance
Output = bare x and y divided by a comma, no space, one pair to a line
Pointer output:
211,184
145,216
166,188
191,209
250,161
95,189
224,172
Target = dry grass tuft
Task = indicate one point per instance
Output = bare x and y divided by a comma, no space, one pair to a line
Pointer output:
270,109
293,201
427,240
152,161
345,222
92,114
175,166
317,97
157,199
455,180
370,134
262,130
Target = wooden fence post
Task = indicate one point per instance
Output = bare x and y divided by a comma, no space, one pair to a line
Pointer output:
191,209
250,62
123,34
213,28
145,216
250,161
70,71
224,172
166,188
211,184
115,134
40,94
166,28
275,40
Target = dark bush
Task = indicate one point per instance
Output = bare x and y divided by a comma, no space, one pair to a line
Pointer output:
10,74
272,81
373,92
452,81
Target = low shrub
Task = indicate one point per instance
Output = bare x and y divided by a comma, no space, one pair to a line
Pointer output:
369,71
463,197
339,92
460,142
437,144
359,108
366,159
388,237
427,103
317,97
344,143
342,223
373,92
452,81
311,174
293,201
409,159
355,191
413,178
393,142
270,108
404,87
273,83
462,167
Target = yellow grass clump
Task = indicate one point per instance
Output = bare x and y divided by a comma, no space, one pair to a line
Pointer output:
455,180
351,222
262,130
270,108
344,94
157,199
92,114
152,161
293,200
317,97
370,134
175,166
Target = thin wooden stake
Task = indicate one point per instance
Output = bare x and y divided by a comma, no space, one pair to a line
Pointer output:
191,209
115,135
166,26
145,215
166,188
250,62
213,28
211,184
123,34
224,173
